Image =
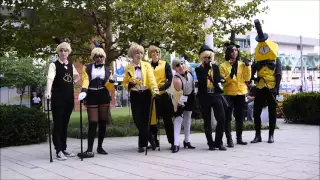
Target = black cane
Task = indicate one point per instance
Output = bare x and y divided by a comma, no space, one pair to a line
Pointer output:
49,130
149,123
275,100
81,129
158,124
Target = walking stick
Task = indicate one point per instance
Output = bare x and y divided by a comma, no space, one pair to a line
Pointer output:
149,123
49,130
275,100
81,129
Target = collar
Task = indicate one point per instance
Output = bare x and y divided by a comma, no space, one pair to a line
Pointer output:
155,64
67,62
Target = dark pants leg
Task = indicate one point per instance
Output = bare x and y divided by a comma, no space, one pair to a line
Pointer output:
239,101
218,109
259,102
61,111
164,109
228,118
272,108
140,106
205,107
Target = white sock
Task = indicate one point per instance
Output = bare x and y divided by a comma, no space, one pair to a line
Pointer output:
186,125
177,129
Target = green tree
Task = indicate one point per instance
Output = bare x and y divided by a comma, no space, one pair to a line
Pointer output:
176,24
22,72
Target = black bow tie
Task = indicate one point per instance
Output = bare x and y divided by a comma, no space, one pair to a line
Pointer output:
154,64
98,65
137,67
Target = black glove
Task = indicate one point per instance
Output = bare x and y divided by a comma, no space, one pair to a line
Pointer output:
233,71
275,91
246,62
131,85
157,97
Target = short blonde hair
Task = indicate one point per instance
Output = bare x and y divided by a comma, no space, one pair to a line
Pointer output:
153,48
98,51
64,45
175,62
134,48
206,54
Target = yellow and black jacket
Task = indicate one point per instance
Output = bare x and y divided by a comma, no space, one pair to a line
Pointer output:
148,80
163,75
86,78
236,85
269,73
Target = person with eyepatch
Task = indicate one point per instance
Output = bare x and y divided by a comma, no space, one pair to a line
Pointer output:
269,72
62,75
183,99
97,82
236,73
163,105
140,81
209,95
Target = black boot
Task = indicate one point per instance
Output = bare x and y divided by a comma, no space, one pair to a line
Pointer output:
211,146
140,150
175,149
257,139
271,139
102,133
220,146
239,127
230,141
92,131
188,145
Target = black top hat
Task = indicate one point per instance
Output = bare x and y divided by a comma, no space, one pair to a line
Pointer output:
57,39
261,36
204,47
232,40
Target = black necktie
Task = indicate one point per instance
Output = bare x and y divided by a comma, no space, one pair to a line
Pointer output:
137,67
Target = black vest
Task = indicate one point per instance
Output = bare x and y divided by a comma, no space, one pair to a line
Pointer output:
63,81
97,82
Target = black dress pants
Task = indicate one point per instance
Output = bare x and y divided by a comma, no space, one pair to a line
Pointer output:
236,103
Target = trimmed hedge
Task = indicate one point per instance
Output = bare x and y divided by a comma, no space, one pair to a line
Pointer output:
303,108
21,125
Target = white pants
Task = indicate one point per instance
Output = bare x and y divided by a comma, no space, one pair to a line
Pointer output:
186,117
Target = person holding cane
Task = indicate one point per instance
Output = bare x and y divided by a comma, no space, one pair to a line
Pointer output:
61,76
97,82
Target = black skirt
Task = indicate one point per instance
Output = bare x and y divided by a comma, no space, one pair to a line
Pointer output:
97,97
190,104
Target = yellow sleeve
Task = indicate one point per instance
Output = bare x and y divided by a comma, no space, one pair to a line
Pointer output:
247,73
126,79
110,85
85,79
225,74
152,81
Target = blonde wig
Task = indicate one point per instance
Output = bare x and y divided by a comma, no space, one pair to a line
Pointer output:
134,48
64,45
175,62
153,48
206,54
97,51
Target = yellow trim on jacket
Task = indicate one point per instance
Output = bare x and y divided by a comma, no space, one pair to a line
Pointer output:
85,80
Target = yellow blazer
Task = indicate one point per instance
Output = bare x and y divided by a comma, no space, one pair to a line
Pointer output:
148,80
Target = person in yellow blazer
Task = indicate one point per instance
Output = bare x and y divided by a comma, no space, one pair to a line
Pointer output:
163,105
235,73
140,81
97,82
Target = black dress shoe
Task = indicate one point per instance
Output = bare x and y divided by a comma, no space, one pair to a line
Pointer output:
256,139
212,147
188,145
101,151
239,141
86,154
141,150
230,143
270,140
175,149
222,148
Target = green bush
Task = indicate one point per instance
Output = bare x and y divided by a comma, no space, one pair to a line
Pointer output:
303,108
21,125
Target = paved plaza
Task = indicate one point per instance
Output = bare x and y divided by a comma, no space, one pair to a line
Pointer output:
294,155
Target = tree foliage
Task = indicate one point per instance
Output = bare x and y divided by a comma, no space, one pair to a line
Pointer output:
177,24
22,72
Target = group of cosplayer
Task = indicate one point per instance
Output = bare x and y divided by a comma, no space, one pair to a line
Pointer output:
149,84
